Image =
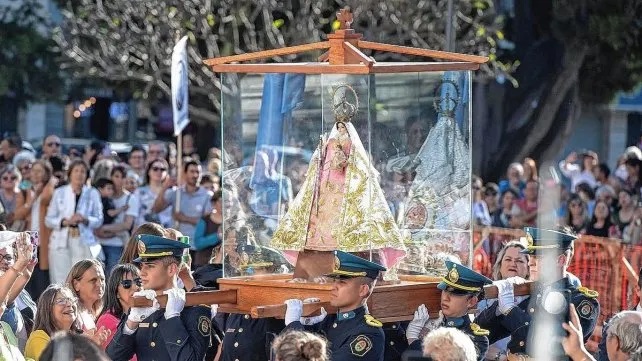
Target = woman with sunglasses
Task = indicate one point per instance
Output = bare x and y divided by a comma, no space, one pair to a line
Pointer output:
577,217
123,281
57,311
155,175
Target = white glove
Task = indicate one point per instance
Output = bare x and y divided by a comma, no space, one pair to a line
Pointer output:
175,302
293,310
516,280
138,314
417,324
505,296
214,310
313,320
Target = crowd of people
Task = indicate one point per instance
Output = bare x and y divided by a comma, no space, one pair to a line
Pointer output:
596,200
110,229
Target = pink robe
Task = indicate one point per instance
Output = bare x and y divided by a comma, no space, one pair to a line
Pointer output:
326,204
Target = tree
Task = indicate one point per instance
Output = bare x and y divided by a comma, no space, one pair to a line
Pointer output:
129,43
572,52
28,66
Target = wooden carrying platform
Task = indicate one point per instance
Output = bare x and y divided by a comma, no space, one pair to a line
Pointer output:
264,296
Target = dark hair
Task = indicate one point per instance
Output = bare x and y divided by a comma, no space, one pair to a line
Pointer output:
103,182
138,148
130,252
607,221
206,178
149,167
511,191
569,218
217,195
14,140
76,163
44,315
190,162
98,146
57,163
586,188
70,346
640,279
110,299
118,168
605,169
491,187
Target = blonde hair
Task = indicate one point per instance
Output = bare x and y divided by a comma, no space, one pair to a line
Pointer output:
497,267
449,344
300,346
76,273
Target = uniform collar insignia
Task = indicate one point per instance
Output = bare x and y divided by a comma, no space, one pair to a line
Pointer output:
455,321
342,316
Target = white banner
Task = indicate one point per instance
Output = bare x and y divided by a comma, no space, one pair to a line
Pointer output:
180,81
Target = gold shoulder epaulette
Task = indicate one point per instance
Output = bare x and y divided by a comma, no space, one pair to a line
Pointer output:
371,321
587,292
478,331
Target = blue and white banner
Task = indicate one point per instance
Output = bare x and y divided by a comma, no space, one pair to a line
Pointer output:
180,81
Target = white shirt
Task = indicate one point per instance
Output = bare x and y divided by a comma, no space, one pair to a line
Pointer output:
577,175
131,200
639,308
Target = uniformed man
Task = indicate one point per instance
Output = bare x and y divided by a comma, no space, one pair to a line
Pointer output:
353,334
175,333
461,289
507,317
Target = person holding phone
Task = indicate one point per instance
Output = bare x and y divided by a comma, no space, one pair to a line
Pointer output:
461,289
508,317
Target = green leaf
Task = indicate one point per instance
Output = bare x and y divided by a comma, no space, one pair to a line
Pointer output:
480,31
278,23
336,25
210,20
499,34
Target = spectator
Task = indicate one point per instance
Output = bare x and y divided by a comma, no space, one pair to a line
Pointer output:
504,216
156,174
130,253
57,311
113,236
70,346
74,212
602,174
580,173
59,167
11,197
623,338
195,200
525,210
9,147
23,161
106,189
577,217
601,224
607,194
123,281
86,280
209,182
587,194
157,150
513,180
490,197
51,146
530,170
634,178
625,214
43,187
480,208
208,229
189,149
96,151
215,166
449,344
131,182
300,346
137,160
633,232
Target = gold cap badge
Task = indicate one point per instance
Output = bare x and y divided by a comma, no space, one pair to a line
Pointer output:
141,247
453,275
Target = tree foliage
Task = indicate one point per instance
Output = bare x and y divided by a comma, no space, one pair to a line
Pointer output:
130,42
28,66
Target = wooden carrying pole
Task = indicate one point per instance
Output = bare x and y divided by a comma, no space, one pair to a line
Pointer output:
229,297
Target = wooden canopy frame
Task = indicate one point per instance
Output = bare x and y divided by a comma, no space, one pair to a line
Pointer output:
344,56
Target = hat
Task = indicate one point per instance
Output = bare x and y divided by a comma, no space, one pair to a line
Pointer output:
554,240
347,265
152,247
462,280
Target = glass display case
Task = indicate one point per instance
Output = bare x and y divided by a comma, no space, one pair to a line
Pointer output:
344,153
376,164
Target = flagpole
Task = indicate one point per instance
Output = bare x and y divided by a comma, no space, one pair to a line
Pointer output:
179,174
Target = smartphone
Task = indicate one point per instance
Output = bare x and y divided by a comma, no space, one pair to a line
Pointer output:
34,238
185,239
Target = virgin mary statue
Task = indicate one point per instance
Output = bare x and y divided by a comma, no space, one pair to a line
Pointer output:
340,205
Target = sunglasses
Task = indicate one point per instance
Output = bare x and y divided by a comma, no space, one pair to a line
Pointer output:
53,144
127,284
9,178
25,167
159,169
575,205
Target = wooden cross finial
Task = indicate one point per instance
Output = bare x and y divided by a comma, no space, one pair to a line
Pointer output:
345,18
